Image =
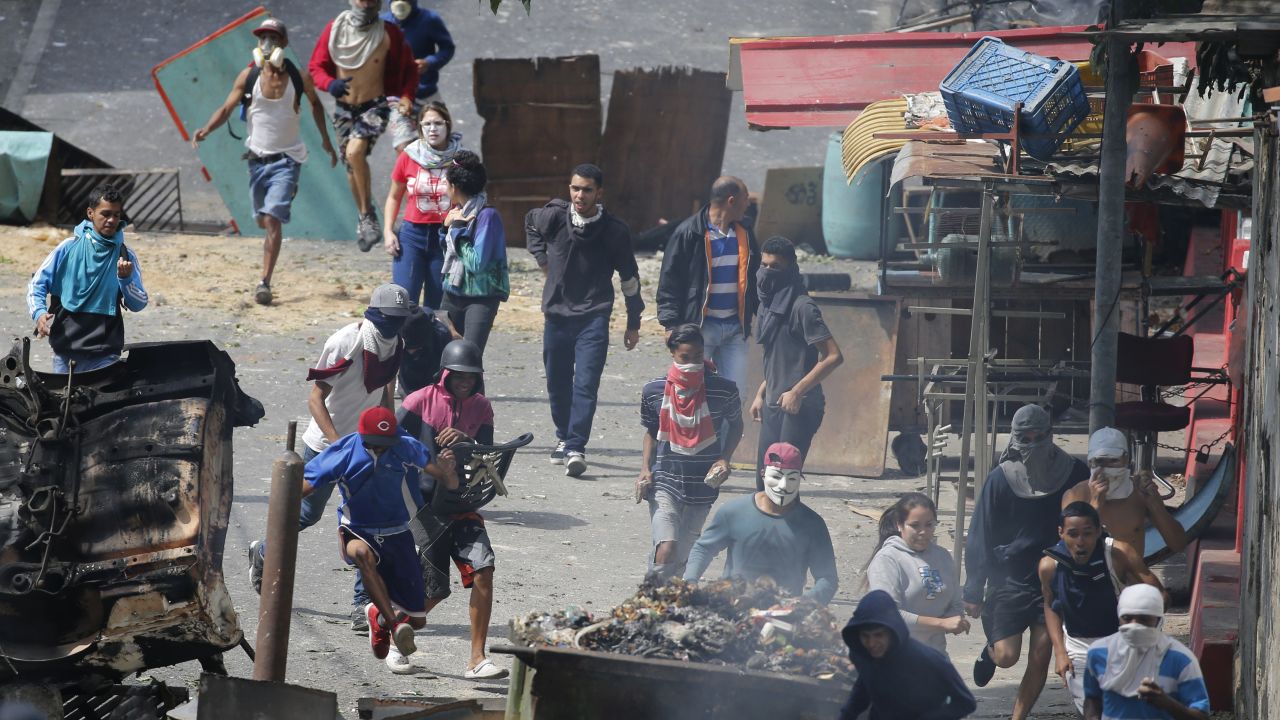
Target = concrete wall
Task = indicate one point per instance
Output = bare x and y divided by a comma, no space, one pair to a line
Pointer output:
1259,675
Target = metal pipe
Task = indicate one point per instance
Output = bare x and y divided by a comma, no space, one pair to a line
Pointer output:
276,605
1121,78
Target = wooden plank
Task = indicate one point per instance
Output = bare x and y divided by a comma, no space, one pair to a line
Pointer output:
920,334
542,116
663,143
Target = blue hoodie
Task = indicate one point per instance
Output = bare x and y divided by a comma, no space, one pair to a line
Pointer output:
911,682
430,40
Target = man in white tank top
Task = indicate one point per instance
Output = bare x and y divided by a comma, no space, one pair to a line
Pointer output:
268,92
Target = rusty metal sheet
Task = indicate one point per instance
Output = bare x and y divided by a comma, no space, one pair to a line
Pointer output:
223,697
664,142
542,116
855,428
921,159
920,334
127,476
573,684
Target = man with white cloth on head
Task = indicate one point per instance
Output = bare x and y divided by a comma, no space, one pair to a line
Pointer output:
1139,672
1125,502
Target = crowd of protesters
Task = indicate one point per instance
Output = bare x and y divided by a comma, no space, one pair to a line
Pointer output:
1054,557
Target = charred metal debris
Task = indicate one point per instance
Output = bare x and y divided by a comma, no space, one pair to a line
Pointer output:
115,492
726,622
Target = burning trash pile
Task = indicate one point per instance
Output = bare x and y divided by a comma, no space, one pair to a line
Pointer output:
727,622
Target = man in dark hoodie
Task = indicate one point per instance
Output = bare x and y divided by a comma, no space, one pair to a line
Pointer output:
579,246
1014,521
433,48
899,678
709,278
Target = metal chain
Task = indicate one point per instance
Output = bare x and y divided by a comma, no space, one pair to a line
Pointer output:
1205,448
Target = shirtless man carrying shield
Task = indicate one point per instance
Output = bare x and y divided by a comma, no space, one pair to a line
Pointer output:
365,63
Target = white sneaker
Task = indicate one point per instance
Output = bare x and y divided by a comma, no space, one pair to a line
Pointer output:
575,463
398,663
419,659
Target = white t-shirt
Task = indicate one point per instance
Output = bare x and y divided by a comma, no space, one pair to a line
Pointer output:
347,396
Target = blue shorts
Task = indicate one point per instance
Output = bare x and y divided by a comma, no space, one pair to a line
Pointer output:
272,186
398,566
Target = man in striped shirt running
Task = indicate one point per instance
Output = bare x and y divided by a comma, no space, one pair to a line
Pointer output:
693,422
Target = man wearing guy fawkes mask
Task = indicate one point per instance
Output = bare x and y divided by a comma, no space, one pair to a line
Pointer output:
269,94
771,533
356,371
1014,520
1126,502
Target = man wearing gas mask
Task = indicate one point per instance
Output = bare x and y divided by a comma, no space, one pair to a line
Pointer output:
1126,503
433,48
356,371
269,94
771,533
364,62
1014,520
1139,672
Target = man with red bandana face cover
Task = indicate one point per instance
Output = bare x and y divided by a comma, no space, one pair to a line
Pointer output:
771,533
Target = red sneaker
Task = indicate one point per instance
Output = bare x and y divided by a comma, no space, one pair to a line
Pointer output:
379,637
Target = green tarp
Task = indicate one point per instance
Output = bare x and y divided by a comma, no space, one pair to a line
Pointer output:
195,82
24,159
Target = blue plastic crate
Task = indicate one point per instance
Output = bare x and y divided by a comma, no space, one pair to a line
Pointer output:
980,92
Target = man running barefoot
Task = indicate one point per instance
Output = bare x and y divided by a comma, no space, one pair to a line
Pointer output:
364,62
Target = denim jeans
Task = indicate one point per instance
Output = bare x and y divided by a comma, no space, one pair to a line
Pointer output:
573,354
83,364
723,344
418,268
312,510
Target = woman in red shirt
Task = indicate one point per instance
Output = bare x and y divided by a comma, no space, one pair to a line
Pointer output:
417,251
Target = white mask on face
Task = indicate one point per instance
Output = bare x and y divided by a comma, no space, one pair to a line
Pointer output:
782,486
401,9
268,52
1119,482
688,367
1139,636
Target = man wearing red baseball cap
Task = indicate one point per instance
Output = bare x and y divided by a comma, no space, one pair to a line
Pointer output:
269,94
377,471
771,533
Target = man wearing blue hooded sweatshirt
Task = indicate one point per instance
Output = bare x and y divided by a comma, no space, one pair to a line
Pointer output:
78,296
899,678
433,48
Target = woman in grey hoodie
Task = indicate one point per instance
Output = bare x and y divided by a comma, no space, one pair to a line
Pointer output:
920,576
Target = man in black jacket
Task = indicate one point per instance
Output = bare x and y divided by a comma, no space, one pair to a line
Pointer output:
709,278
579,247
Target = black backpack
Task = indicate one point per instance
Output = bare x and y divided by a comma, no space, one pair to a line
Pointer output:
254,71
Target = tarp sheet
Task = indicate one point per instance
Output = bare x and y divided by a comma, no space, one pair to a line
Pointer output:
24,158
195,82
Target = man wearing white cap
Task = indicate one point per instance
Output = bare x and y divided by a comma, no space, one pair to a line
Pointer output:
1139,672
1125,503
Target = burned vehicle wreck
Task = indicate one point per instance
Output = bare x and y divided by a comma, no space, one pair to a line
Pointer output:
115,493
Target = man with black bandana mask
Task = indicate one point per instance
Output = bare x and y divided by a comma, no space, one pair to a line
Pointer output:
356,371
799,353
1014,520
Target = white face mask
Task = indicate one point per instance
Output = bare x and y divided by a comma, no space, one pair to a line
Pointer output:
268,52
1139,636
401,9
688,367
1119,482
782,486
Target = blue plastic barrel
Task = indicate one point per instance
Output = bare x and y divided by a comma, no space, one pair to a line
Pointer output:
852,212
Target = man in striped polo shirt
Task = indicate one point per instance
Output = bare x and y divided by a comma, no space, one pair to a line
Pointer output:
693,421
709,277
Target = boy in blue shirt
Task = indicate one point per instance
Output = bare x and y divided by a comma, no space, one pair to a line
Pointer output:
376,470
1139,672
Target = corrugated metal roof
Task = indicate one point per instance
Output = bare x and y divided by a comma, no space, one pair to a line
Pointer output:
1226,158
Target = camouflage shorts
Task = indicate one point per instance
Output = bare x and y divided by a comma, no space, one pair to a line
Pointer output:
366,121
